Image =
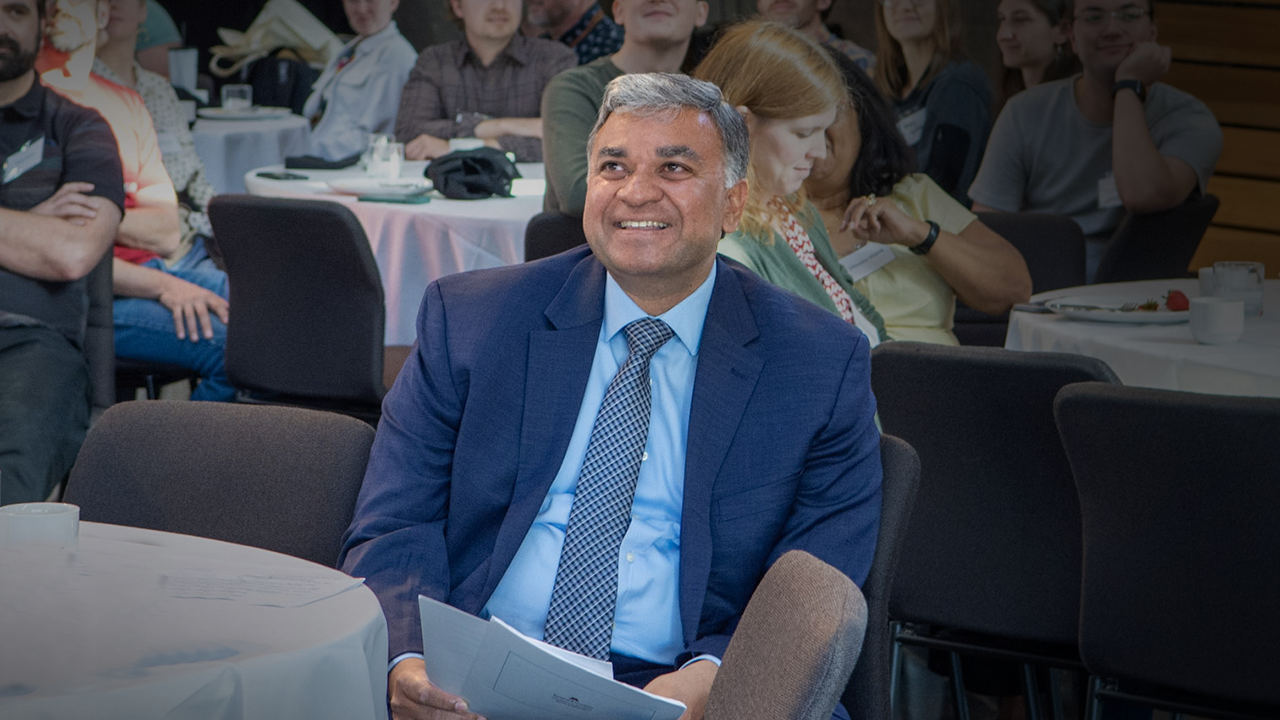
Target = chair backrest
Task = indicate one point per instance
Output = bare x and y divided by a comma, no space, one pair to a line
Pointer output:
281,82
307,299
867,695
279,478
795,646
1053,247
1157,245
552,232
993,543
99,337
1178,498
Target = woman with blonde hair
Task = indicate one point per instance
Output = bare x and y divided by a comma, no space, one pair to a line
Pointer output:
942,103
789,90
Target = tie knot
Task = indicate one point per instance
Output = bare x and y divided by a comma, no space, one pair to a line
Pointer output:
646,335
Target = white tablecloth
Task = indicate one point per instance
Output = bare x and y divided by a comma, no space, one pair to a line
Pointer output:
230,148
97,634
1162,356
415,244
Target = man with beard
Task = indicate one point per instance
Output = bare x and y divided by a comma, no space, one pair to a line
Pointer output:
807,17
163,314
61,198
580,24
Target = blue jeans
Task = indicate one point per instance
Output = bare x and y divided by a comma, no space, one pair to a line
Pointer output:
144,331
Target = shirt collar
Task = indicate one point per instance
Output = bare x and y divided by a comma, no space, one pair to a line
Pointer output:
687,318
364,46
572,33
517,50
28,106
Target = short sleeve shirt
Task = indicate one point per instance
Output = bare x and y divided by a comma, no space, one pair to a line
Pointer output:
1045,156
77,146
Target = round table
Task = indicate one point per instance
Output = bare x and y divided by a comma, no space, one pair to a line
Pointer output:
1162,356
415,244
230,148
100,632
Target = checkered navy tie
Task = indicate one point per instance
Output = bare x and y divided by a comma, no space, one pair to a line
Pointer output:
580,617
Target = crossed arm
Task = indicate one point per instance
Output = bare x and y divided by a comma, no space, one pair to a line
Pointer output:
62,238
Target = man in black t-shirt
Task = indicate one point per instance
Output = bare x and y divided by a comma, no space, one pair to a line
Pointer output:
61,199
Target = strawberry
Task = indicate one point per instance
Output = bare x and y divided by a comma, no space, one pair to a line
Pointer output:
1177,300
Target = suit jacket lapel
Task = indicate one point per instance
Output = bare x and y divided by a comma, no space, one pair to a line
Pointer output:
725,378
556,374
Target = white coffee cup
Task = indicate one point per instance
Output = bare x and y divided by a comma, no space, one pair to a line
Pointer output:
42,523
1216,321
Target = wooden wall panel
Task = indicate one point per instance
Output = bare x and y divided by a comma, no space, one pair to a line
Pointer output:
1230,244
1228,34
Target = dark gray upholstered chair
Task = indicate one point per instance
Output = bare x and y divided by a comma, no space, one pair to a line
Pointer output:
1054,248
279,478
549,233
100,339
1157,245
308,305
990,564
1178,498
867,696
793,650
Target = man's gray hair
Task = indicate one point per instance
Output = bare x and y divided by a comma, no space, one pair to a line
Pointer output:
648,94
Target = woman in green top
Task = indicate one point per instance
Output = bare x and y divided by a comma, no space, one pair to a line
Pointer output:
910,247
789,90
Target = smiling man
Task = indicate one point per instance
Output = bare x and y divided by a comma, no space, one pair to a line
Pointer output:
1109,141
609,447
485,85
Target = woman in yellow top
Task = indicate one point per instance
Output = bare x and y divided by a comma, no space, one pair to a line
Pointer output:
881,219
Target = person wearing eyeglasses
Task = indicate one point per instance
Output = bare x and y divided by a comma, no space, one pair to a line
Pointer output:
942,102
1109,141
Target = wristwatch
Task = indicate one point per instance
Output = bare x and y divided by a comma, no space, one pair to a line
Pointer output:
924,247
1134,85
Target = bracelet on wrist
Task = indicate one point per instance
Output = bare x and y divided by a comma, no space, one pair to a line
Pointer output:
927,244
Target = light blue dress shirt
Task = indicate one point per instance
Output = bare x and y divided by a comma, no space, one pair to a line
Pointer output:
647,614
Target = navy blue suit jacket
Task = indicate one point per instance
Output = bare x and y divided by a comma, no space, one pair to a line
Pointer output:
782,449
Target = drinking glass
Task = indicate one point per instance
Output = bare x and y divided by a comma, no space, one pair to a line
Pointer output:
1240,281
385,160
237,98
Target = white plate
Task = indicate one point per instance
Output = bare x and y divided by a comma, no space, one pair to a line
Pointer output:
253,113
1106,308
401,187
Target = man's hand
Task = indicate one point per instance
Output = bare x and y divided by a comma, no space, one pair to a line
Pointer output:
413,697
72,204
690,685
191,305
425,147
1147,62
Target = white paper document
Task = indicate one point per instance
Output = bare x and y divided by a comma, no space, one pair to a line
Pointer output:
505,675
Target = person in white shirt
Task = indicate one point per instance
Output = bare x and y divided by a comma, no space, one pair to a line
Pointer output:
359,91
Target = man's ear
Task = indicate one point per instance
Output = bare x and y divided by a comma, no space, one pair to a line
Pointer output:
736,201
104,14
823,5
703,10
617,12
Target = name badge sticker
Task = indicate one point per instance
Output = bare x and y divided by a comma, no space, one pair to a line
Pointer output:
867,259
27,157
168,142
912,126
1108,193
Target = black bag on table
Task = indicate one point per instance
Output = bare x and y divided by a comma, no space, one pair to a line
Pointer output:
473,174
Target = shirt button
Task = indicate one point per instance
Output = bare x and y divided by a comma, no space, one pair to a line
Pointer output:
644,456
631,557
